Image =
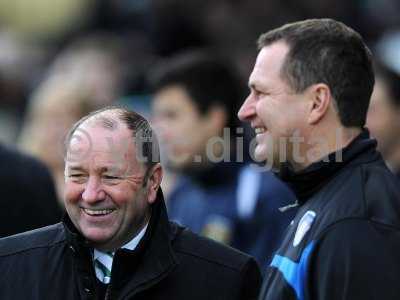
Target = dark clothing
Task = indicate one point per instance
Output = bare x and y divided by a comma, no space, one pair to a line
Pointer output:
205,201
28,198
209,202
260,233
170,262
344,242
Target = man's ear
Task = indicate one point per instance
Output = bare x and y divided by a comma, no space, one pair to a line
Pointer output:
153,182
321,99
217,117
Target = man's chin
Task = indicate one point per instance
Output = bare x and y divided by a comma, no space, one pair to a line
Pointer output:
96,236
267,161
260,155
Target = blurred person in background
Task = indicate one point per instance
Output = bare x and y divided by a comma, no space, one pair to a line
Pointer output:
84,77
215,194
384,115
28,199
21,64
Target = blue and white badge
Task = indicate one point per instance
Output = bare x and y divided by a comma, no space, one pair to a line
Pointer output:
304,226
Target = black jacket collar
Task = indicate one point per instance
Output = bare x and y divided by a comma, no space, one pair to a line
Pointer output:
153,256
307,182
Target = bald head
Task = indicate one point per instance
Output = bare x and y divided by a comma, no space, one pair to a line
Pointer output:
113,118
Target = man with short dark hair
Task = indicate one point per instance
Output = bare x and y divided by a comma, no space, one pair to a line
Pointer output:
309,96
116,241
196,96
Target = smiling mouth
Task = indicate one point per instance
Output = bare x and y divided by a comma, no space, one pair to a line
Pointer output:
97,212
259,130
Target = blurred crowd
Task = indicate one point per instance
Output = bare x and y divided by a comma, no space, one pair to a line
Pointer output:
184,65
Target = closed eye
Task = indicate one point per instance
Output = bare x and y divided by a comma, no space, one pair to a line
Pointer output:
78,177
75,175
110,177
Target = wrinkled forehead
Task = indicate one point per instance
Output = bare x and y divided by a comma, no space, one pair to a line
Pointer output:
94,140
271,57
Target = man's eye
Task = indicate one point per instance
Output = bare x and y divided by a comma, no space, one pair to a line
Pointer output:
79,178
76,175
258,93
170,115
111,177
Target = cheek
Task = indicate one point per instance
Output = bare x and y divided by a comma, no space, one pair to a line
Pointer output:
72,192
296,116
122,195
263,112
272,116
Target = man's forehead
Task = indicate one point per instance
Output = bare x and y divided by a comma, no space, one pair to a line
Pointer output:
98,143
102,167
107,119
272,55
100,161
269,61
101,130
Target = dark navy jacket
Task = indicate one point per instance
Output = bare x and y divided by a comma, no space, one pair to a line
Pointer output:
344,242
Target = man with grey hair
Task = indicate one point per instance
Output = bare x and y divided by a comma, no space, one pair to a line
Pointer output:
309,94
116,242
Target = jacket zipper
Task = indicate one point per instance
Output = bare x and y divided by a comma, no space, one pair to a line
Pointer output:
108,292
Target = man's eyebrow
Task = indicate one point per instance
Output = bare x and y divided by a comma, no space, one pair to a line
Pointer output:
256,85
107,169
252,84
74,168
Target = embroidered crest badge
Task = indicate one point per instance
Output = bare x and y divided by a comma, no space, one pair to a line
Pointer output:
304,226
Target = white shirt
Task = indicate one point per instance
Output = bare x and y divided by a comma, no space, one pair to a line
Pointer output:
107,259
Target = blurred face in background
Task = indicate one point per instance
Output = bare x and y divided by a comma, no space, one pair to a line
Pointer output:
383,118
183,130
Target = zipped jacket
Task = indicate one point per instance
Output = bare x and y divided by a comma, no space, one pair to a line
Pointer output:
170,262
344,242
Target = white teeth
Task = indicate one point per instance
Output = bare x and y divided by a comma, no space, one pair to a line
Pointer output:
259,130
99,212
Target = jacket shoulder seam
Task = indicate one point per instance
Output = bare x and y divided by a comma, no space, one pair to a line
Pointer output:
237,269
364,219
30,249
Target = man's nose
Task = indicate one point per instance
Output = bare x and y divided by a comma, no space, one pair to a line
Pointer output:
247,110
93,191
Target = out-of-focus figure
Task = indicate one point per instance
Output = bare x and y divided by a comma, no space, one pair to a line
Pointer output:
384,115
21,64
83,78
28,198
216,193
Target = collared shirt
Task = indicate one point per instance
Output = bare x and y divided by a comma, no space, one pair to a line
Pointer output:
131,245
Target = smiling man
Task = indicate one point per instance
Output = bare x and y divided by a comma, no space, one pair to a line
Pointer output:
116,242
309,94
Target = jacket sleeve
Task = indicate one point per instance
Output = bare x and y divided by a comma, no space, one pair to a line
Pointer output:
356,259
250,281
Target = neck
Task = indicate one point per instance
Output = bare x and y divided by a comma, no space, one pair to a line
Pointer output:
393,158
320,143
114,245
